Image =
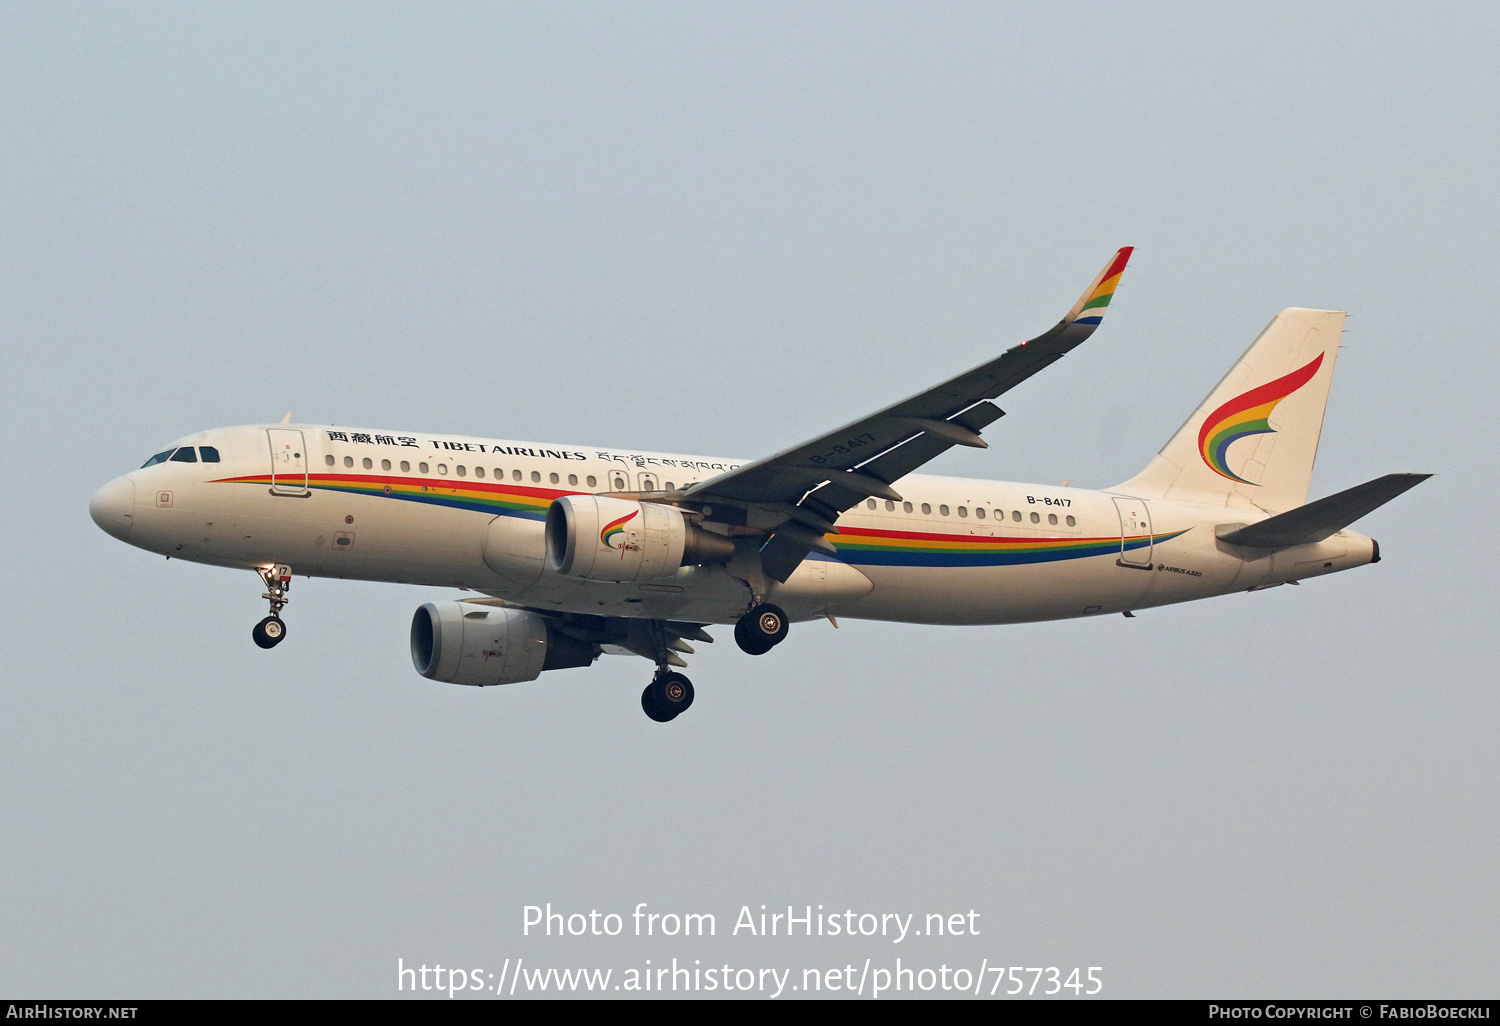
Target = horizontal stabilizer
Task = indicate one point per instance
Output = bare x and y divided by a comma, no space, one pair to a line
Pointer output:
1323,518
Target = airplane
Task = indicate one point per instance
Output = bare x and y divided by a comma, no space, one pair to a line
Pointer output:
568,552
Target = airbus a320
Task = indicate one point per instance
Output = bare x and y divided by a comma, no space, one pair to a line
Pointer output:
568,552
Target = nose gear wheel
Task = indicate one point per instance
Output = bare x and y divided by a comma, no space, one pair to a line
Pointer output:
269,632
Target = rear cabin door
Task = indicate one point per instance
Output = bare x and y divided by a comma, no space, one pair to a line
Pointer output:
1135,532
288,461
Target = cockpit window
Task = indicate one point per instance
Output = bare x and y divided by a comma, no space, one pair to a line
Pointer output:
210,454
160,457
185,455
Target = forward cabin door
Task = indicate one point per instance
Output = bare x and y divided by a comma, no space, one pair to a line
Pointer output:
1135,525
288,461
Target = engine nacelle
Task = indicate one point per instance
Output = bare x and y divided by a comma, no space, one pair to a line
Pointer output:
466,643
602,539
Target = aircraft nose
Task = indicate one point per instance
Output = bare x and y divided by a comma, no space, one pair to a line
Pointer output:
113,507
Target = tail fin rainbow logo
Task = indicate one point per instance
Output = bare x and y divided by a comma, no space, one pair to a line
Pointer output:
613,529
1245,415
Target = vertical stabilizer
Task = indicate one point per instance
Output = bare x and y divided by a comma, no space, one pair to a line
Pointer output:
1252,442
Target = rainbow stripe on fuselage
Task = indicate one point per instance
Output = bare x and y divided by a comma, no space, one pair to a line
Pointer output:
477,496
1245,415
856,546
865,547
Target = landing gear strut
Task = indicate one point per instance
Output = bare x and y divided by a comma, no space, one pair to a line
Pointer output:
269,632
667,696
761,629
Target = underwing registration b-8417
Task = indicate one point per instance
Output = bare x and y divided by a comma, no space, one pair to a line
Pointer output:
569,551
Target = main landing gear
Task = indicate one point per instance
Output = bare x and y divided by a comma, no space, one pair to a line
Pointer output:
670,693
761,629
667,696
269,632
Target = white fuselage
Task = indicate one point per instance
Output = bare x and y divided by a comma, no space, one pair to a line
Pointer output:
466,513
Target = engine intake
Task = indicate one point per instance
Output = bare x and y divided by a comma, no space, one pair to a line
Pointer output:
602,539
465,643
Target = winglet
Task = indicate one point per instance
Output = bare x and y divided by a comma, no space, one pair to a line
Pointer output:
1090,308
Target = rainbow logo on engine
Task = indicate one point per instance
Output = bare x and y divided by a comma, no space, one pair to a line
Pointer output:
1245,415
613,529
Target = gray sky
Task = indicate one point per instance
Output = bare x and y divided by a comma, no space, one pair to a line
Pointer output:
722,229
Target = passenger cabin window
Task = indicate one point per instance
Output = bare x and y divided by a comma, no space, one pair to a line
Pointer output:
591,481
462,470
1036,518
670,486
515,475
478,471
942,510
422,467
870,503
385,464
368,463
1052,519
1072,522
536,477
1016,516
619,484
979,513
443,469
553,478
963,511
890,507
209,453
405,467
927,508
160,457
328,459
348,461
906,506
185,455
573,480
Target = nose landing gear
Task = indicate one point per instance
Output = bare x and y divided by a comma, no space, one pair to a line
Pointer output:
270,631
761,629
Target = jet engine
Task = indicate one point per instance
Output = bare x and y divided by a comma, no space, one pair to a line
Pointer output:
602,539
467,643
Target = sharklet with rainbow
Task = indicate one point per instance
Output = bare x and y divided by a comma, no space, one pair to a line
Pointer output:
1098,297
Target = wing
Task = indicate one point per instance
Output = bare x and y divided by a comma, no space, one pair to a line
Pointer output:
799,492
661,641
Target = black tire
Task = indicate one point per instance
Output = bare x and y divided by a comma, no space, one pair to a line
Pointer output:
269,632
749,641
761,629
650,707
673,692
